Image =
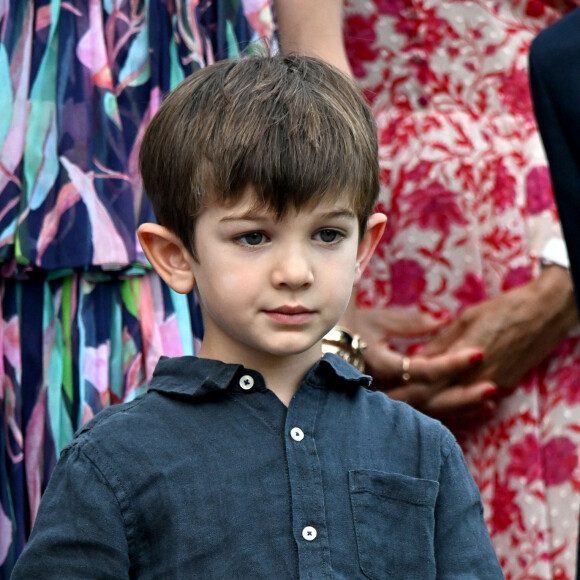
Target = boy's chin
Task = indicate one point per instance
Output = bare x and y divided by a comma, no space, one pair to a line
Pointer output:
295,350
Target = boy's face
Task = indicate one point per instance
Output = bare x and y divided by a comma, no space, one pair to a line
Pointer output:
272,288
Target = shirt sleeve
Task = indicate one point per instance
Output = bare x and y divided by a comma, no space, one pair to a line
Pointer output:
462,543
79,531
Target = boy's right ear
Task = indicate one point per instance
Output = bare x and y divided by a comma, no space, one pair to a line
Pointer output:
167,254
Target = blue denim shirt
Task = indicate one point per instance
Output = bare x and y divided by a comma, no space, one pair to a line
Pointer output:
210,476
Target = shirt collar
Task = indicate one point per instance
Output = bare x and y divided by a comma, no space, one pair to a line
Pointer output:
197,377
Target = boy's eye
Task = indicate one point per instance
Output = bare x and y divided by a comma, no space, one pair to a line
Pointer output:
329,236
252,239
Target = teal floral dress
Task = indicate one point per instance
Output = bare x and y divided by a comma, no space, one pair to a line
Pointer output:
83,319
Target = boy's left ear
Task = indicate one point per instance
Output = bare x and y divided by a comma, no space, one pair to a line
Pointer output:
375,228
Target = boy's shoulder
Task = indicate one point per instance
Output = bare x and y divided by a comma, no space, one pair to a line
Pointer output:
379,415
345,373
180,389
186,378
112,423
401,422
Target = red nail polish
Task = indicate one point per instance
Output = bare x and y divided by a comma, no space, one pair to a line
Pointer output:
476,358
414,349
489,392
441,314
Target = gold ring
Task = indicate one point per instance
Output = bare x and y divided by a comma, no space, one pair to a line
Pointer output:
405,367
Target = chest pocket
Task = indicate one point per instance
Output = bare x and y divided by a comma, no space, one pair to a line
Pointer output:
394,520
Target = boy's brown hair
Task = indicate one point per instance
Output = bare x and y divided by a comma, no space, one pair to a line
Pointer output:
292,128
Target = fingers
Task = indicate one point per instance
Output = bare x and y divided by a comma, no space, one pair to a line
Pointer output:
460,400
454,404
443,368
394,322
383,363
442,342
462,409
387,366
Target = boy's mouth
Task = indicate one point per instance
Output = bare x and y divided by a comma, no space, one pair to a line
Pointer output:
290,314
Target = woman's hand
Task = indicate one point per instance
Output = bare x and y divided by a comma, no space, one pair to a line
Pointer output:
481,354
378,326
432,387
515,330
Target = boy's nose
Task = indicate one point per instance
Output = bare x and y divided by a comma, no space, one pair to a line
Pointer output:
293,269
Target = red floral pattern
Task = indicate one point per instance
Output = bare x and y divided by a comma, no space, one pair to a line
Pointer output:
538,190
467,193
408,282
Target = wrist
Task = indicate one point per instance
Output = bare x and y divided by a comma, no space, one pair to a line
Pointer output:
555,295
555,253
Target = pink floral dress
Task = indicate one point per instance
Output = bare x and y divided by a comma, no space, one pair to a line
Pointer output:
467,192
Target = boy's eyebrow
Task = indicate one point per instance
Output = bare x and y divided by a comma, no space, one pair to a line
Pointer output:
253,214
339,213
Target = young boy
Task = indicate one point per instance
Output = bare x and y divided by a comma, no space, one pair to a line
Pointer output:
259,459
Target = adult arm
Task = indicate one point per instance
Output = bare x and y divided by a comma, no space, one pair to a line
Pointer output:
79,532
515,330
314,29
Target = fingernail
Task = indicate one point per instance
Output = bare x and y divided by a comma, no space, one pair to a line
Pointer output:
476,358
414,349
489,392
440,314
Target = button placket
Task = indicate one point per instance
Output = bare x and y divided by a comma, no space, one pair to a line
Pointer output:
306,484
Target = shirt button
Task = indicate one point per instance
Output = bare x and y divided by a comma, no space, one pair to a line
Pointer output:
297,434
309,533
246,382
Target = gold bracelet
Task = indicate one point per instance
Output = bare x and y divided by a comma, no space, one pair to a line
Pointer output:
347,346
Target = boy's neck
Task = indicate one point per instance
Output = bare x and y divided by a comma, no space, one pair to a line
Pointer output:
282,375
